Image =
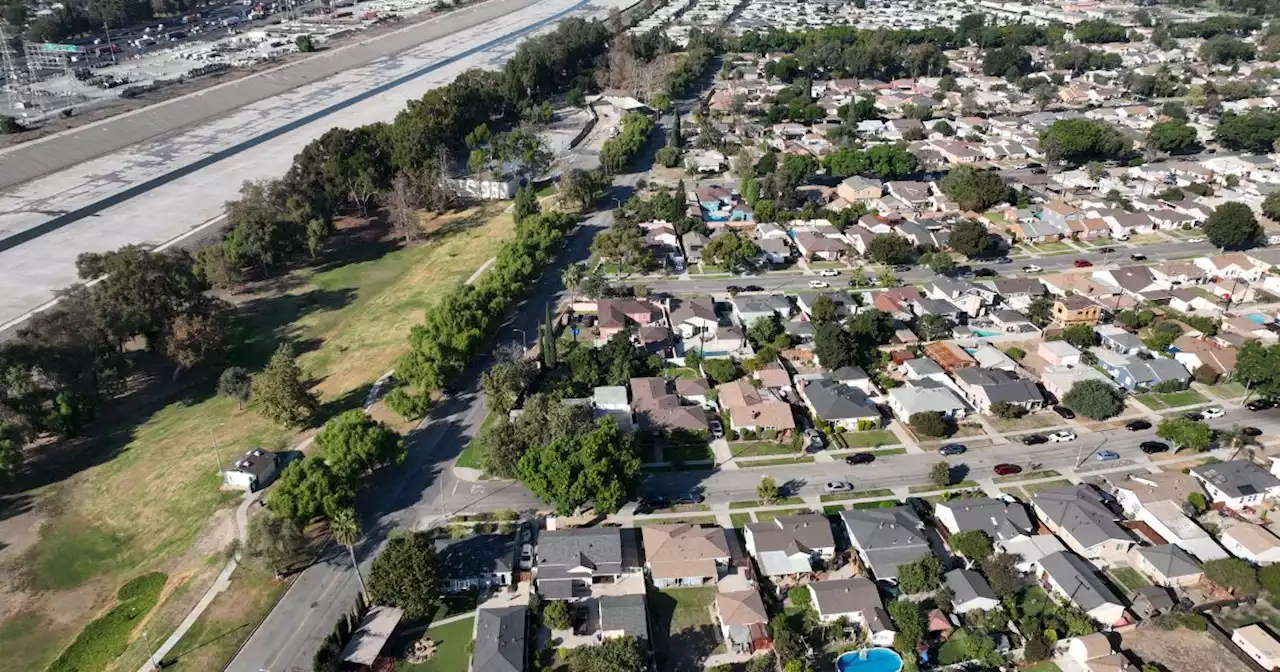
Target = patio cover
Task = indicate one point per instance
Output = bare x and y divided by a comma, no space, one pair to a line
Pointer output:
372,635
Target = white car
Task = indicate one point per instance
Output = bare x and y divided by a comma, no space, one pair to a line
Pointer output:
828,272
717,430
1062,437
1195,240
1031,269
818,284
837,486
1212,413
526,556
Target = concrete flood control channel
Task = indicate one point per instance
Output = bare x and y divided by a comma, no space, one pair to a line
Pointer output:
65,219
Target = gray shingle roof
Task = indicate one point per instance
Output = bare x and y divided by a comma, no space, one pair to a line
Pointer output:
1170,560
887,537
626,613
476,556
1078,579
844,596
1000,520
1081,512
833,401
500,640
1237,478
598,548
968,585
804,533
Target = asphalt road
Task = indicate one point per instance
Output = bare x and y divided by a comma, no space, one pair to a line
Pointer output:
913,468
792,281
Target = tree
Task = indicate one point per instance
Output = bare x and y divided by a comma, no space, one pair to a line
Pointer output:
305,44
1197,502
1162,335
1269,578
969,237
1185,433
909,623
933,328
1233,226
308,489
1271,206
668,157
1234,574
1008,411
872,326
1173,137
1254,132
974,189
558,615
940,262
1004,61
1226,50
1094,399
235,383
974,545
833,346
623,244
346,531
274,540
597,468
282,395
940,473
1079,141
767,490
731,251
406,575
1040,311
721,370
889,248
1258,367
403,202
1002,574
929,423
920,576
354,444
525,204
788,642
1080,335
615,654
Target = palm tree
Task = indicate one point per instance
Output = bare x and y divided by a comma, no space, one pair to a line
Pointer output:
346,531
572,278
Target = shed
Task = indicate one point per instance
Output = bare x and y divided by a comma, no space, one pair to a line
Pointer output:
371,636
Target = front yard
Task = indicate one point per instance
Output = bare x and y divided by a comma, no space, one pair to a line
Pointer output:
685,630
1159,402
873,438
452,643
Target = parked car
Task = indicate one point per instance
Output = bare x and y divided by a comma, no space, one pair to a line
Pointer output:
1150,447
828,272
860,458
1083,263
1259,404
1251,431
1007,469
1138,425
815,438
1193,416
653,502
526,556
689,498
1136,256
733,289
1062,437
1031,268
1003,260
986,273
818,284
753,288
1034,439
952,449
1212,413
1106,250
1065,412
837,486
1106,455
717,429
901,268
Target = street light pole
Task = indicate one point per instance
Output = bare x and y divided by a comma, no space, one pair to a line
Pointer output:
524,338
151,658
216,458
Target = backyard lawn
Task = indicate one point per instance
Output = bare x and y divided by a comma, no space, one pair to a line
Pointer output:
451,648
1128,579
684,628
953,651
141,492
1159,402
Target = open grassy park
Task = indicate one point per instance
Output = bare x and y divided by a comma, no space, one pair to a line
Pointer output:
140,492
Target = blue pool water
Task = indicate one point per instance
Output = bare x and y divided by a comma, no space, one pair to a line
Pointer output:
987,334
869,660
1256,319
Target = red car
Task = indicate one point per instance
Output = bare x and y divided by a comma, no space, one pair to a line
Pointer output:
1007,469
1083,263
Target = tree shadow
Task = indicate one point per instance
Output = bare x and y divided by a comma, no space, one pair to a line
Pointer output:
262,324
175,657
12,506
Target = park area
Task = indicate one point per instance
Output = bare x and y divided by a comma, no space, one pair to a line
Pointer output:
140,491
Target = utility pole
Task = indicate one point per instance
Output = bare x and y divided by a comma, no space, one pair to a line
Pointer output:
110,47
217,459
151,657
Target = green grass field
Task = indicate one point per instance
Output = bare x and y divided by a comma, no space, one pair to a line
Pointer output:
451,654
857,494
873,438
756,464
930,488
1159,402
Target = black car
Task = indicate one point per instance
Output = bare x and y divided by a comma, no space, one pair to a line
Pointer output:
733,289
691,498
1150,447
952,449
901,268
1004,260
1138,425
1193,416
1065,412
1033,439
1138,257
860,458
753,288
986,273
1106,250
653,502
1259,404
1251,431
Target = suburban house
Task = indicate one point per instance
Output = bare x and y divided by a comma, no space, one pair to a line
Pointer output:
625,616
984,387
1258,644
971,591
857,189
1193,353
1080,516
499,641
747,308
885,539
1058,353
479,562
1019,292
1237,484
755,409
1118,340
1069,577
1028,551
694,242
857,600
1166,565
790,545
1251,542
1068,311
659,409
744,623
1058,380
694,317
1157,499
816,246
256,469
990,357
685,555
615,315
1133,372
570,561
841,405
924,396
613,401
1002,521
1093,653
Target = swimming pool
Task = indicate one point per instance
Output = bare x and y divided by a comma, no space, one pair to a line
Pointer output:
1256,318
869,660
987,334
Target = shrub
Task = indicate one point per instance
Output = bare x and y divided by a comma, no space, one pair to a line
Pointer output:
1181,619
407,404
103,640
557,615
1015,353
1008,411
1167,386
929,423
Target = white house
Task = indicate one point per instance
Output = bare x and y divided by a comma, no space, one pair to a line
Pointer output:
1251,542
1156,499
789,545
253,471
1237,484
971,591
1070,578
1258,644
857,600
